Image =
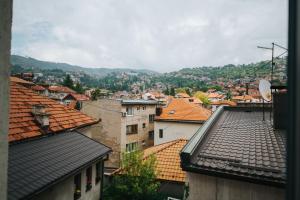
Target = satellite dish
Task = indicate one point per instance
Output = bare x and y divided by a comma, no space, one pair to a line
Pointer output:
265,90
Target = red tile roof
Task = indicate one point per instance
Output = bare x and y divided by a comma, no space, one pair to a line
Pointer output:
167,166
22,124
182,95
181,110
78,97
38,88
62,89
21,81
167,160
224,102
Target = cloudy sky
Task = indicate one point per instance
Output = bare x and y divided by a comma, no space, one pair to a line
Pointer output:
161,35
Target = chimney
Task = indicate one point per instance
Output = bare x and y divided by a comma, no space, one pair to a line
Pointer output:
280,110
40,115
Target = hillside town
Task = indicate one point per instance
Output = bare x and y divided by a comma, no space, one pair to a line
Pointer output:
167,127
149,100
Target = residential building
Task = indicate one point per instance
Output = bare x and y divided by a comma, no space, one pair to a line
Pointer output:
167,167
75,100
215,96
59,92
182,95
236,155
40,90
216,104
126,125
180,119
50,155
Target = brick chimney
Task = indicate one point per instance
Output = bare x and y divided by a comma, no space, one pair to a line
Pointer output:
40,115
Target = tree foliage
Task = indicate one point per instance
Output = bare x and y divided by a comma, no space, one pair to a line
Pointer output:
202,96
68,82
137,179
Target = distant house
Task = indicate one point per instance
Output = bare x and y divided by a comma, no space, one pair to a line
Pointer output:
75,100
40,90
194,100
182,95
167,167
50,153
243,99
215,96
21,81
216,104
236,155
58,92
180,119
125,126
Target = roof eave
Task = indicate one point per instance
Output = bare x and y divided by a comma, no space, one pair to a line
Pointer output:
227,175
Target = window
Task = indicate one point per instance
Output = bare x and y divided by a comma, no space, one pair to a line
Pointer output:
88,179
98,172
138,108
131,147
132,129
151,135
161,133
144,107
77,186
151,118
129,111
144,125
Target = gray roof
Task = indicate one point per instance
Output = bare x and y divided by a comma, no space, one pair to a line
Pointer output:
138,102
37,164
236,143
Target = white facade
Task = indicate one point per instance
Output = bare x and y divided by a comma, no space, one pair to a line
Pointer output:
173,130
65,189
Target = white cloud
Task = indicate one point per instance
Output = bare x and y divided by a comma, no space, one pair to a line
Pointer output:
161,35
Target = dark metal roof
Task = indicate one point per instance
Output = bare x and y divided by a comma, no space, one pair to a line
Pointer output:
236,143
138,102
38,164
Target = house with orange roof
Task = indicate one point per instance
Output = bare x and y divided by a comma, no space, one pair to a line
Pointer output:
21,81
194,100
40,89
58,92
178,120
216,104
75,100
215,96
51,153
167,167
182,95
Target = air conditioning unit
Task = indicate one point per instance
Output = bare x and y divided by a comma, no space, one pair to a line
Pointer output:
124,114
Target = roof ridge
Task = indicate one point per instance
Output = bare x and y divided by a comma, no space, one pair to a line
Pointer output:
173,142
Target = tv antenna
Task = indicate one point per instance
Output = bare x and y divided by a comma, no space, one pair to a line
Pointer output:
266,93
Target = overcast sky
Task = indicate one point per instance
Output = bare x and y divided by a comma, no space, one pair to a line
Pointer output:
161,35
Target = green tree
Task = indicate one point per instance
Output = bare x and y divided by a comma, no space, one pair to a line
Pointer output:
78,88
136,179
172,92
68,82
95,94
202,96
180,90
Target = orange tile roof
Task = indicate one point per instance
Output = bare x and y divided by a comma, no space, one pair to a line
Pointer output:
168,160
194,100
181,110
22,124
182,95
78,97
167,164
63,89
224,102
242,98
21,81
215,95
38,88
